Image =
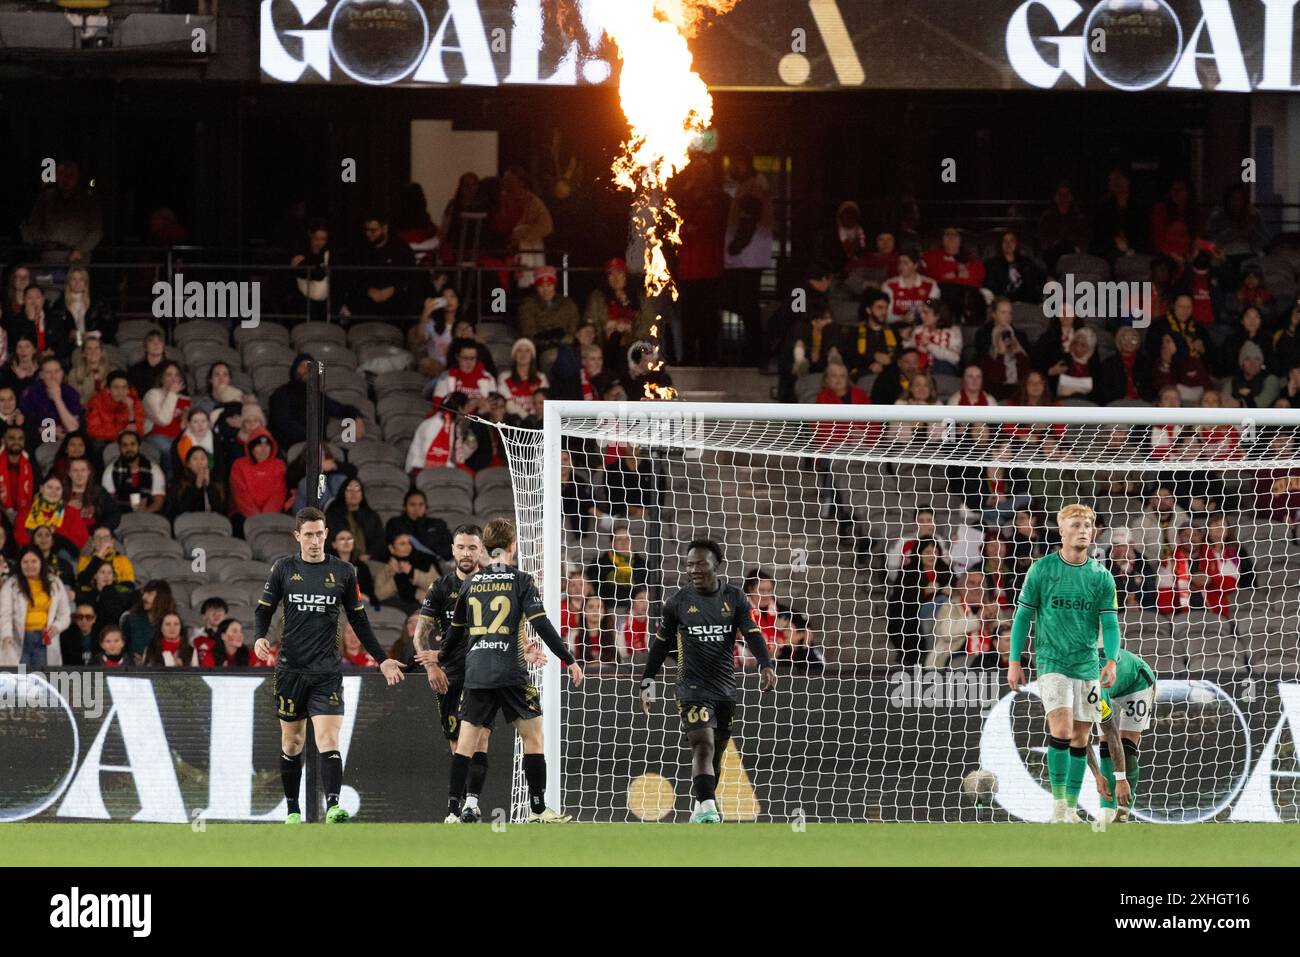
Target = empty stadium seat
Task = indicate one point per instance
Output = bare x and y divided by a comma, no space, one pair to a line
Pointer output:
367,451
365,332
492,478
192,522
147,544
409,381
219,546
262,332
195,330
133,523
267,521
310,335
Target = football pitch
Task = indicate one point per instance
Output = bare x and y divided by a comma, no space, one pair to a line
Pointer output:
647,845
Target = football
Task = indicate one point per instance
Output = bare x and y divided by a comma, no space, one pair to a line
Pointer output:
980,786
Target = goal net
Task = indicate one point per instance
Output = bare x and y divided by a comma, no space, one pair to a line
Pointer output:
882,549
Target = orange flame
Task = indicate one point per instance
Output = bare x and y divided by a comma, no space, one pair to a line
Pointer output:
667,106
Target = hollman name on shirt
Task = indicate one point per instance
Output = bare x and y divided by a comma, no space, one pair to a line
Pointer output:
76,910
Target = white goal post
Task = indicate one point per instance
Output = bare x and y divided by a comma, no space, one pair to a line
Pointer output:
892,639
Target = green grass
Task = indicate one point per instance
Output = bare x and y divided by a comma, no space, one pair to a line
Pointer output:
646,844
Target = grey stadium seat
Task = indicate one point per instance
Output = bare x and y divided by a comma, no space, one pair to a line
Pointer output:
135,523
200,522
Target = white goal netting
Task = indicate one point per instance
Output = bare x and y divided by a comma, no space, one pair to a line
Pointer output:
883,559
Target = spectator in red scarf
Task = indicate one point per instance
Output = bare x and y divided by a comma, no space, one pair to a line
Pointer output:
230,651
169,648
48,507
17,477
445,440
760,589
467,375
522,380
112,649
936,340
205,639
1220,565
257,478
634,636
972,389
1124,375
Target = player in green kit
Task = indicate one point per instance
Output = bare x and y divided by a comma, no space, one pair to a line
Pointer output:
1067,598
1127,708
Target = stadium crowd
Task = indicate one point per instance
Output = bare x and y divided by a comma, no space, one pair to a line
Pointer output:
149,473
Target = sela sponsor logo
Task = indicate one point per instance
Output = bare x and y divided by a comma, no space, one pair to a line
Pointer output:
75,910
1069,604
1134,45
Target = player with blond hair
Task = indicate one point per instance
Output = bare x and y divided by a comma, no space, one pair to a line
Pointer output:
1068,598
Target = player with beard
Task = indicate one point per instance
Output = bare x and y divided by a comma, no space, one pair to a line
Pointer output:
447,676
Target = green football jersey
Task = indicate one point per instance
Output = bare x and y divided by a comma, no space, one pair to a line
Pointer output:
1132,675
1067,602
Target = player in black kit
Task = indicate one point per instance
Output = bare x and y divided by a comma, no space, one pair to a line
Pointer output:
446,676
308,681
494,607
700,624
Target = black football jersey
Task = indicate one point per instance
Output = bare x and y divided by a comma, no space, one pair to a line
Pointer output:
702,628
490,624
314,595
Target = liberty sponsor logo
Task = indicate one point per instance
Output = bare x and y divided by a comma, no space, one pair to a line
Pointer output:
76,910
492,646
